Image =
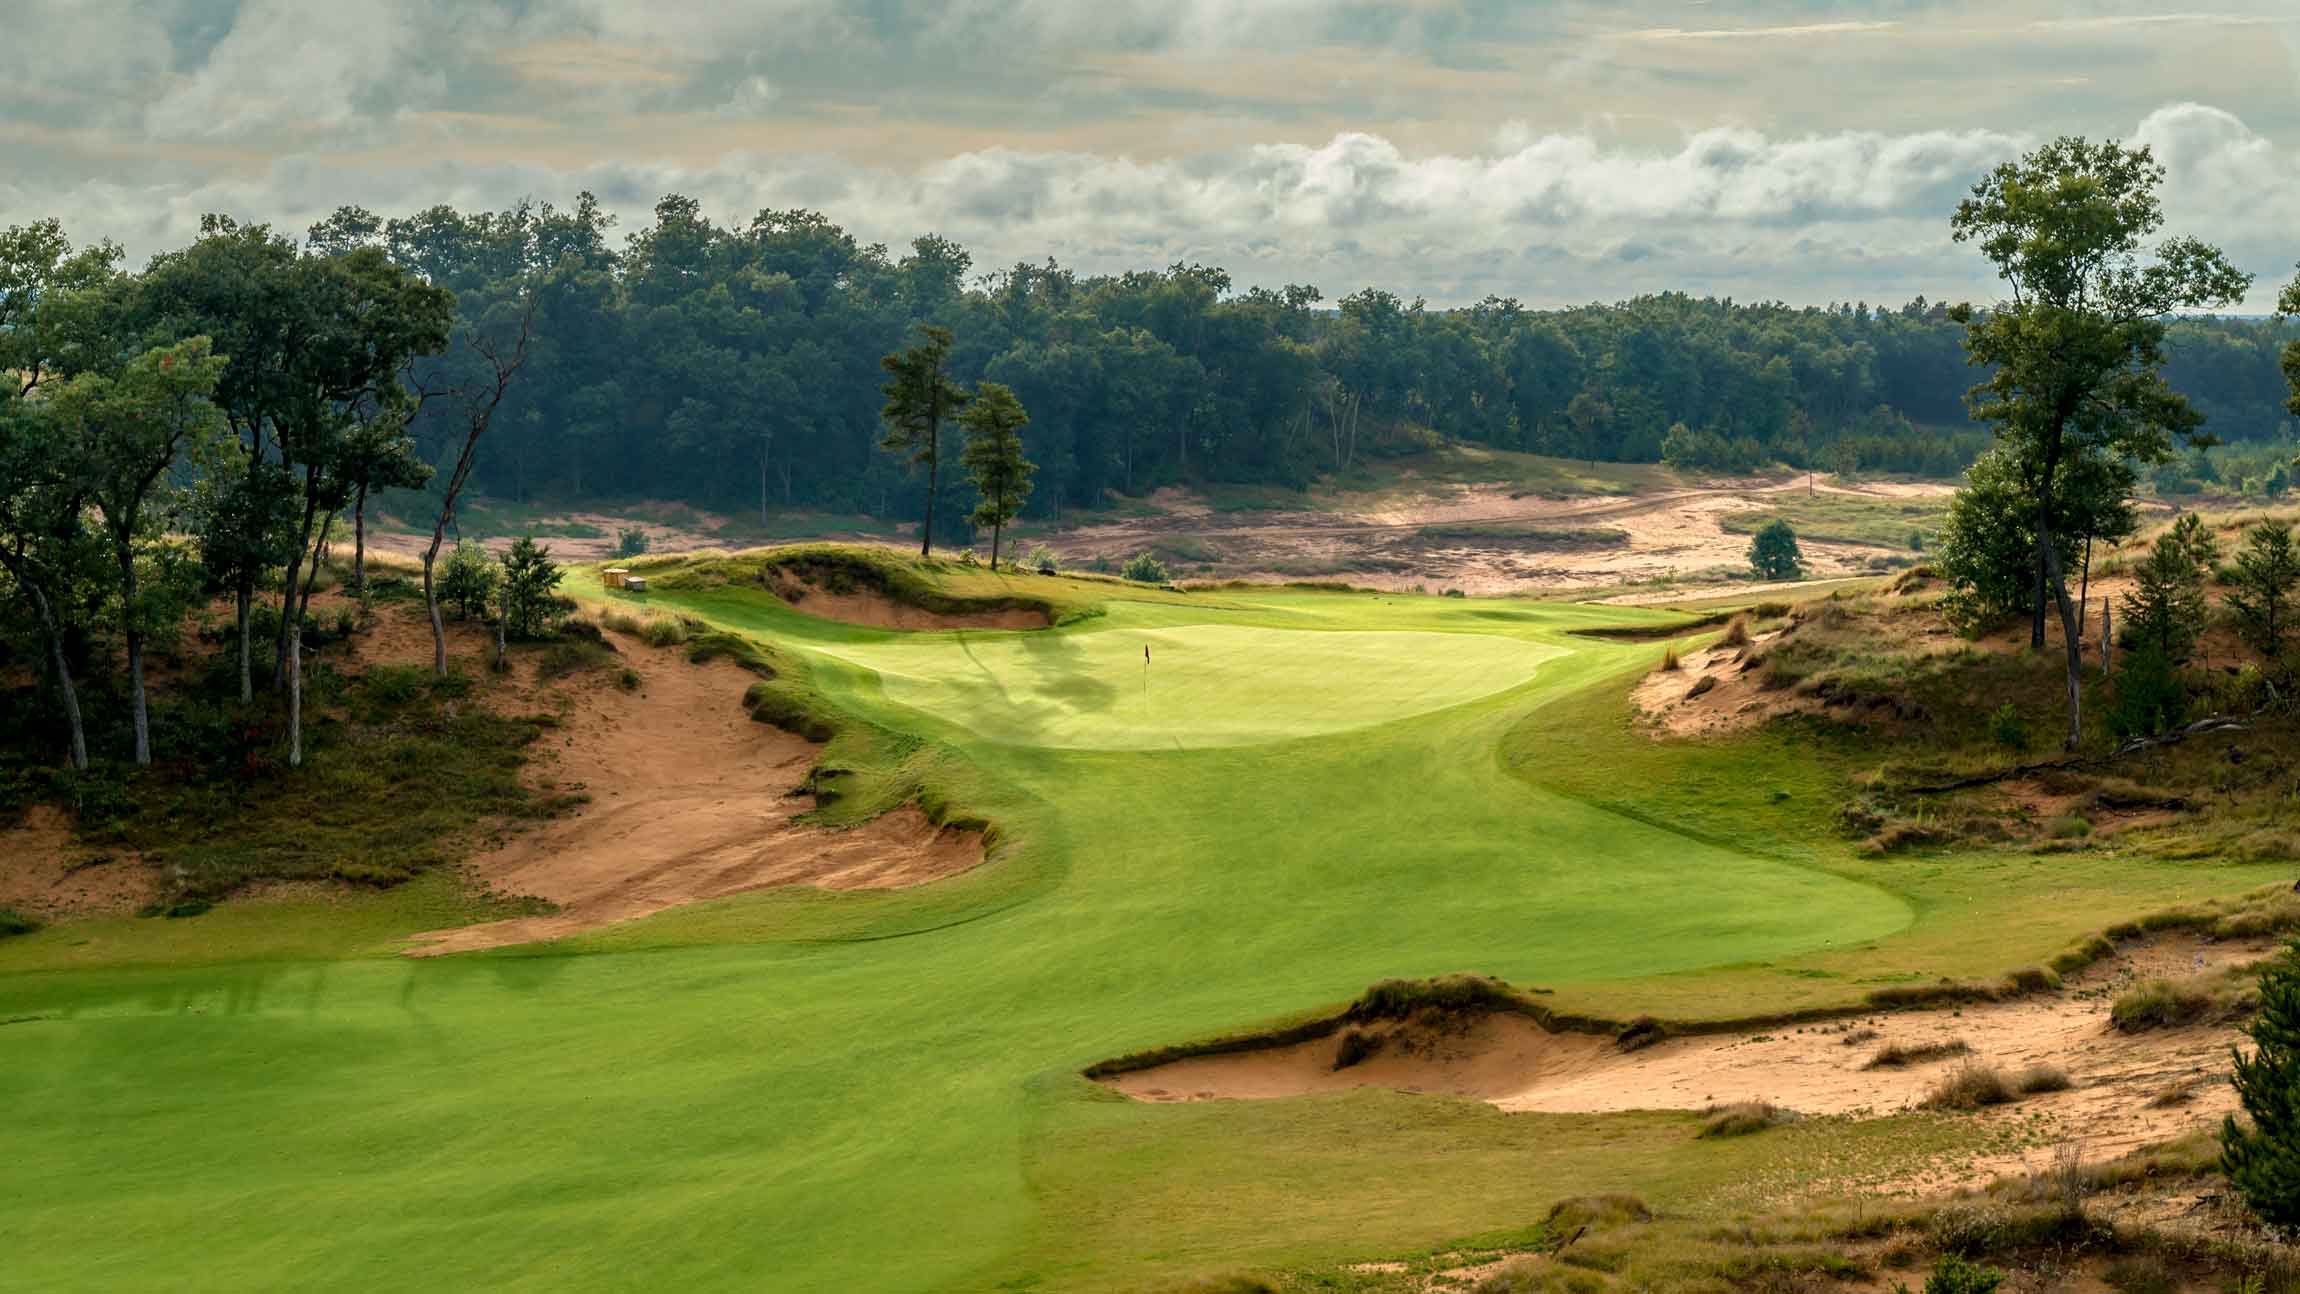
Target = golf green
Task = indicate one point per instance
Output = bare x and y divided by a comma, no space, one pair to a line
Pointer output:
1193,685
794,1090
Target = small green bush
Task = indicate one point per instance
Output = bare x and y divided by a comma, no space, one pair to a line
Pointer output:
2007,728
468,580
1145,569
1957,1275
631,542
664,632
13,922
1041,560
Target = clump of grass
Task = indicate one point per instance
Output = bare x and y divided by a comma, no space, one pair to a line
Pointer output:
1356,1047
2041,1078
1609,1210
1971,1086
1669,660
2141,1274
1742,1118
627,679
1537,1275
621,621
2162,1004
664,632
1859,1036
1955,1275
13,922
2179,1091
1736,633
1896,1055
2069,826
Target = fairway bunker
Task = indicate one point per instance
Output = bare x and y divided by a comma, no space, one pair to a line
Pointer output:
1514,1063
689,801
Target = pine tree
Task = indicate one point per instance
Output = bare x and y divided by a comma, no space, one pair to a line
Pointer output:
994,420
2263,1162
2165,608
919,396
530,590
2267,571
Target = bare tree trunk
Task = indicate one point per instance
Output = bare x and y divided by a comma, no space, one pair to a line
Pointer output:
2105,641
479,413
2084,586
933,480
431,605
994,532
246,599
359,544
63,667
766,448
289,614
2070,640
135,637
295,697
2036,609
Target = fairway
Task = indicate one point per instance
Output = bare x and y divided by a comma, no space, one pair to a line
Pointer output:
794,1090
1200,685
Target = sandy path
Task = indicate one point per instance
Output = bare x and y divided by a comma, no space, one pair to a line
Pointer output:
1513,1063
691,800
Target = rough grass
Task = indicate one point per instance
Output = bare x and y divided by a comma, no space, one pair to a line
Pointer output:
1743,1118
2196,999
13,922
1902,1055
1972,1086
1519,534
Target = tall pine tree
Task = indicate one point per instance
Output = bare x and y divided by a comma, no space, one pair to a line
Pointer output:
919,396
993,456
2263,1162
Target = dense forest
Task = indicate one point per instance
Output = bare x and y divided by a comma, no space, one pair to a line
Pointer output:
738,367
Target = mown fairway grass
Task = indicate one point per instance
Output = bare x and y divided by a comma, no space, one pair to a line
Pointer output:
814,1092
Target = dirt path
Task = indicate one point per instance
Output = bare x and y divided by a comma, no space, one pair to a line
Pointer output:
690,800
1514,1064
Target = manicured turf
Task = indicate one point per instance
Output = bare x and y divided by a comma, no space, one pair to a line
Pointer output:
878,1092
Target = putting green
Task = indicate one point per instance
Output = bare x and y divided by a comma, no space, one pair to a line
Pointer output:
1149,688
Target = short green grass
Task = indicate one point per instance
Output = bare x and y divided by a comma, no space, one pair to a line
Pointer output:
796,1090
1849,519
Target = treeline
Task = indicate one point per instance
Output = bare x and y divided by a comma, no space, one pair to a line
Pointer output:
737,367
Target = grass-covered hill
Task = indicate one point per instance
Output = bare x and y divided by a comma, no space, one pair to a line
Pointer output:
1212,810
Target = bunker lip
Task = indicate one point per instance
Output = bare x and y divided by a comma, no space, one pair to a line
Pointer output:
875,609
1475,1038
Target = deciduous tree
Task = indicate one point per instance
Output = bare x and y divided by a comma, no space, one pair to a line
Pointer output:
2077,351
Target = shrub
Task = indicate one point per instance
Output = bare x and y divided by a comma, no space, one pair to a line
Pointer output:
631,542
1743,1118
2141,1274
1455,593
531,607
2263,1161
2161,1004
1736,633
663,632
1145,569
2007,729
563,658
2069,826
1970,1087
628,679
1041,560
2041,1078
468,580
1956,1275
1774,554
1894,1055
13,922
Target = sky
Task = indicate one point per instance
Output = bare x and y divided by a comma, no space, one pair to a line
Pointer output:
1554,151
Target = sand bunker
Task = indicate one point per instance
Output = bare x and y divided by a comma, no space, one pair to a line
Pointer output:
875,610
1513,1063
690,800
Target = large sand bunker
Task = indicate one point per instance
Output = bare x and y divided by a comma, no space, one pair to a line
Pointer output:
1816,1069
690,800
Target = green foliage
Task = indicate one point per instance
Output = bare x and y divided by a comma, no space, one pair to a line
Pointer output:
1774,554
2266,575
2150,695
530,591
13,922
2164,612
631,541
2263,1160
1958,1275
1041,560
2007,728
1145,568
994,420
920,397
468,580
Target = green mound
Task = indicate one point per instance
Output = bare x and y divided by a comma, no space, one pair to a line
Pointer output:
1199,685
